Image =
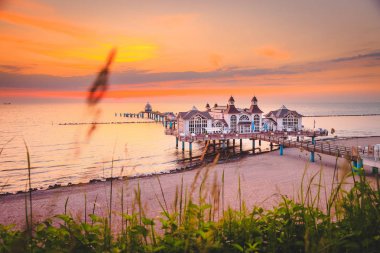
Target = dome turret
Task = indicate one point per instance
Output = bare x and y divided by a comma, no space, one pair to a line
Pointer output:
231,101
148,107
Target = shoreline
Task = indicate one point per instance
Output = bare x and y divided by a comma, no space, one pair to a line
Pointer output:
264,178
187,167
138,176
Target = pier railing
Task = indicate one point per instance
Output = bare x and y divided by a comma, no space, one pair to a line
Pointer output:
294,139
254,135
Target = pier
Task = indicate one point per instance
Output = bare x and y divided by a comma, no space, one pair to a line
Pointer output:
168,119
358,155
228,138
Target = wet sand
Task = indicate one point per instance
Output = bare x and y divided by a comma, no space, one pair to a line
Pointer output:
263,178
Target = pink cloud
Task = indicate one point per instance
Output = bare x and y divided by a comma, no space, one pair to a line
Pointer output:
273,53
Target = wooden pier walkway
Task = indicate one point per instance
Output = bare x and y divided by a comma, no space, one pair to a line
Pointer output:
280,138
283,140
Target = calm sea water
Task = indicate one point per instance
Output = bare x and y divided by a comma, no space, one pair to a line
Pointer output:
63,154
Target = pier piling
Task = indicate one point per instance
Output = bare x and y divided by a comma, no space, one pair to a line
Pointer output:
359,163
312,157
312,154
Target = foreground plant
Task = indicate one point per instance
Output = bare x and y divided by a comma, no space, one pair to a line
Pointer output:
350,223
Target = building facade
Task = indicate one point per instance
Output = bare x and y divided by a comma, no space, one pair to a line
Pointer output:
221,119
194,122
284,119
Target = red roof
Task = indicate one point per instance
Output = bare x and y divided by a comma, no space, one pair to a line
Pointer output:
282,112
231,109
255,109
192,113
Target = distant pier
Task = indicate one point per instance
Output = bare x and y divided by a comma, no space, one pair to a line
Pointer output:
231,141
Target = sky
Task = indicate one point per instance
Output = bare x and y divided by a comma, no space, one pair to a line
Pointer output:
170,50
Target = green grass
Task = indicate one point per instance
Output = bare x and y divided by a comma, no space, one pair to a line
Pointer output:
345,219
349,223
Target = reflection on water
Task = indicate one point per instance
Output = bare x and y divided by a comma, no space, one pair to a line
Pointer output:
347,126
137,148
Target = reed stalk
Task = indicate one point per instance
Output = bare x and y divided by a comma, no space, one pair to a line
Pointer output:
30,189
85,208
223,192
180,203
66,202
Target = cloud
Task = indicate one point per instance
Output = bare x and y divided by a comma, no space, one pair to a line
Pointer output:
216,60
146,80
20,81
54,25
272,53
29,5
71,57
11,68
373,55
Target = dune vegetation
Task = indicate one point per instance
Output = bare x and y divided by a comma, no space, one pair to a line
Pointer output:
197,220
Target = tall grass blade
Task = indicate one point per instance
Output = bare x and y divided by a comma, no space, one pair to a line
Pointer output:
30,190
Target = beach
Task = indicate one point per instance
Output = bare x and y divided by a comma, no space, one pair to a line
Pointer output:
263,179
189,126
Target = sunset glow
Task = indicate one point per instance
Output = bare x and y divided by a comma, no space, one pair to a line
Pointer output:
53,49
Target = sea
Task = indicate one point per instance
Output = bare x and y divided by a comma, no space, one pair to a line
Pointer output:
62,151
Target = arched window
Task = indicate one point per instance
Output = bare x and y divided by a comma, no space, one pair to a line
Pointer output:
256,122
244,118
197,125
233,121
290,122
218,124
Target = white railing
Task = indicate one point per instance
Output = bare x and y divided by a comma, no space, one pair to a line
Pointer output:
372,152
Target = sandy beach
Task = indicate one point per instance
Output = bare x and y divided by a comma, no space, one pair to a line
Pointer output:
263,178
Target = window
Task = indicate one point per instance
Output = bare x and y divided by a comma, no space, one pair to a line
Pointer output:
290,122
256,122
233,121
218,124
197,125
244,118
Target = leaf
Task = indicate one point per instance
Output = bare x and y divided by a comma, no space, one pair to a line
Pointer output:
147,221
238,247
64,217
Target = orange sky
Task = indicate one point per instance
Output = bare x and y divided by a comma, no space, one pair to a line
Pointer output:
53,49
